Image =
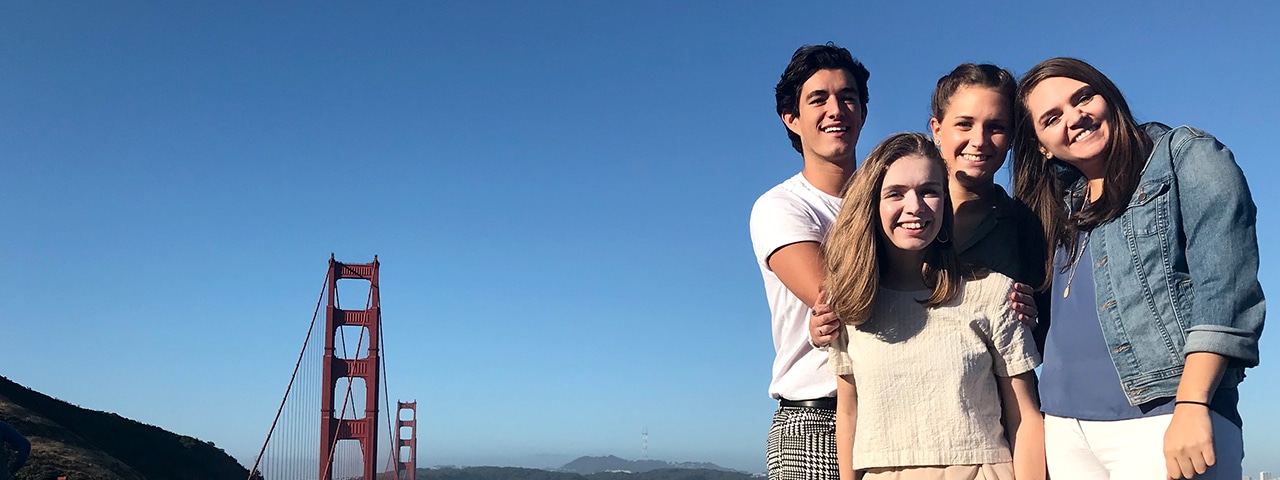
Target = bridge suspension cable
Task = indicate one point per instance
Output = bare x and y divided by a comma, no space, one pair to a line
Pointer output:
296,441
294,376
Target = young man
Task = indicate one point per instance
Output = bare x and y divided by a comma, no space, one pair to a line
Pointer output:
822,101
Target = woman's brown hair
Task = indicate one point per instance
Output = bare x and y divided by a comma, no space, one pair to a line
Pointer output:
855,253
972,75
1039,182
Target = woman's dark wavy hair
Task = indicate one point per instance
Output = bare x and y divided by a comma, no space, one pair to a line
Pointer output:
807,61
972,75
1040,183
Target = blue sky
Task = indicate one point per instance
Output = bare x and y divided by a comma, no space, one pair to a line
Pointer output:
558,194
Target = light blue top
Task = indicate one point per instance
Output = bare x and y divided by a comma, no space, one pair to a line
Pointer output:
1077,379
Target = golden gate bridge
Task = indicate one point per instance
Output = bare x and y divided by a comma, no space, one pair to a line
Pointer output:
328,421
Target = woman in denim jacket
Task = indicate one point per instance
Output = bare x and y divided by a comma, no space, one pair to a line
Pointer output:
1154,282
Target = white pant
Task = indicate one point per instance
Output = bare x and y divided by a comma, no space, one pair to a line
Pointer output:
1130,449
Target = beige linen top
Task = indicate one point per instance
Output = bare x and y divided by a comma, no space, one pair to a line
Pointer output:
926,378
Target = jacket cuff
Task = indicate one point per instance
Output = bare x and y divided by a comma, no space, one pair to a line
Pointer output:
1237,344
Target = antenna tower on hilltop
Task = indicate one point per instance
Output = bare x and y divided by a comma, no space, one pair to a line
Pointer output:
644,443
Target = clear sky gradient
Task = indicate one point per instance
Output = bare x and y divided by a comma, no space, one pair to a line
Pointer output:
558,192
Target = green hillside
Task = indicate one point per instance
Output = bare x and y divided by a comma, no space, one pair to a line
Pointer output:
87,444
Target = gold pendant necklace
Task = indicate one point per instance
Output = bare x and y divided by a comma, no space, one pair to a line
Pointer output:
1071,276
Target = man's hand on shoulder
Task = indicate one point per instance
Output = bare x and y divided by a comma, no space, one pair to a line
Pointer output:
1021,301
824,326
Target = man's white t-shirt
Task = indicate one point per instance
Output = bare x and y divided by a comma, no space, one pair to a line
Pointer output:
793,211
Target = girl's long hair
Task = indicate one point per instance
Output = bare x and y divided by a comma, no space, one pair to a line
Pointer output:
855,251
1040,183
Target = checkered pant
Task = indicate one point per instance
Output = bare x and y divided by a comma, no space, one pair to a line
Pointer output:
802,445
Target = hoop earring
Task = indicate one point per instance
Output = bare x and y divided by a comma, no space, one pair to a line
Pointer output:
943,237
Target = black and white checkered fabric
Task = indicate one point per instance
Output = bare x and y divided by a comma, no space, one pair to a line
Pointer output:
802,445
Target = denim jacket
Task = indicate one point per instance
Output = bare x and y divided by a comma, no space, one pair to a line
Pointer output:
1177,272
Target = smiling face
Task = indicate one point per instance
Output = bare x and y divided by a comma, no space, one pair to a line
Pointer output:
1071,122
912,206
973,134
829,117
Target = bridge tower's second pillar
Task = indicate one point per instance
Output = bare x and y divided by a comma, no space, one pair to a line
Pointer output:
407,461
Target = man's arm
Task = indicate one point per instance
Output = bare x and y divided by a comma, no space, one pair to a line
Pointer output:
801,268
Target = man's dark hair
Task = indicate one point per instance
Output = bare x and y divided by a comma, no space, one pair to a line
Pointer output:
807,61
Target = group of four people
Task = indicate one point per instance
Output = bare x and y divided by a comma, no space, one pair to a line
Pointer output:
902,295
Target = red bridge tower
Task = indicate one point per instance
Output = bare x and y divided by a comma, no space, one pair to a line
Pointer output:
364,430
407,461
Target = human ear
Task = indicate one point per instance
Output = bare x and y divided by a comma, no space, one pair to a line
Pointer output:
792,122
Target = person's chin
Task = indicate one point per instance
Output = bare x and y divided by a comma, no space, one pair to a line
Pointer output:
975,176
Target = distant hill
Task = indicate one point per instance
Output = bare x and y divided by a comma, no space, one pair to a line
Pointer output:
88,444
513,473
587,465
675,474
486,473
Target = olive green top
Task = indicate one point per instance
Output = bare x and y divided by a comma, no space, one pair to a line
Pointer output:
1009,240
